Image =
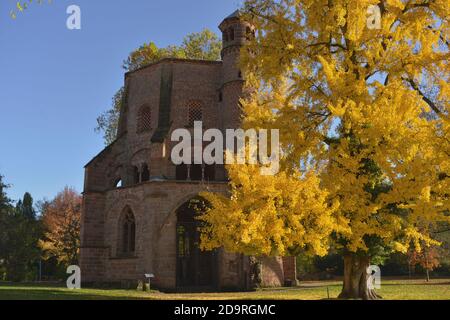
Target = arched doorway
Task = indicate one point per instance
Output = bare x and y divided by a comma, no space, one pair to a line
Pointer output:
196,269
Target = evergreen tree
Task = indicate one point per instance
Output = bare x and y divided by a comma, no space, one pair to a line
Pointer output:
20,233
5,208
26,207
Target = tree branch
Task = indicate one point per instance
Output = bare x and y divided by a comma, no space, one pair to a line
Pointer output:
424,97
326,44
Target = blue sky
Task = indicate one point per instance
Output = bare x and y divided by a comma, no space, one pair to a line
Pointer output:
54,82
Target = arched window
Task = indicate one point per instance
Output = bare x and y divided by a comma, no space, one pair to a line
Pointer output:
145,173
128,233
195,110
194,267
144,119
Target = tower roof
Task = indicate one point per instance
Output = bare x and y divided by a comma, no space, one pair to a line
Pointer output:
236,14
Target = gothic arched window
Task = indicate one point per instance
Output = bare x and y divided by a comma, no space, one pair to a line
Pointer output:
195,110
144,119
128,233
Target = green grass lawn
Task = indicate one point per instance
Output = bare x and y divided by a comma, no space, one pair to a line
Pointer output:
391,290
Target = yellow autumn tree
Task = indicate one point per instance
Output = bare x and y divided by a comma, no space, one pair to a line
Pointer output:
362,104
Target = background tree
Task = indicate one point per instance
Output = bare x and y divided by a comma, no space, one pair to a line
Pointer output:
108,121
364,122
5,210
149,53
61,219
25,231
204,45
428,259
19,234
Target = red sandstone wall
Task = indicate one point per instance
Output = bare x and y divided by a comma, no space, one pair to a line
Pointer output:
272,272
290,269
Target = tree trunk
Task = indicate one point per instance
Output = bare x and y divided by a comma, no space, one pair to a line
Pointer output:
355,279
428,275
255,273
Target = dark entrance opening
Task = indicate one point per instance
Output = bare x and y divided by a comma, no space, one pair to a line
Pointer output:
196,269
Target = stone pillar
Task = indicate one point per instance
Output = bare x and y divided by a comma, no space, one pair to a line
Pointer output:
290,271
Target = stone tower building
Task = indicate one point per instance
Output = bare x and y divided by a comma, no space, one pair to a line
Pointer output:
136,215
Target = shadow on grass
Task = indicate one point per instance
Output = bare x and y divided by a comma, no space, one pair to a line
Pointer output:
431,284
54,293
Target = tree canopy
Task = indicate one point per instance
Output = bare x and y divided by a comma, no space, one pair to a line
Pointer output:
19,234
62,222
364,127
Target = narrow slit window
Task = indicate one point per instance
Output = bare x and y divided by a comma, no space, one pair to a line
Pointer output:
231,33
